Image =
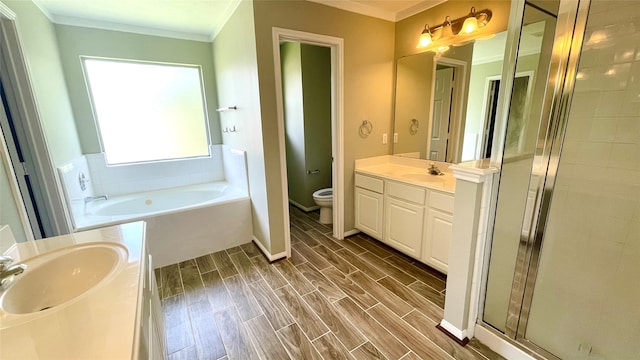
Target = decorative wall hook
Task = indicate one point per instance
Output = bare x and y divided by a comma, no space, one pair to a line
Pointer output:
414,126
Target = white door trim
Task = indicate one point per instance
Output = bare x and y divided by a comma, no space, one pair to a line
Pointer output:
337,111
18,73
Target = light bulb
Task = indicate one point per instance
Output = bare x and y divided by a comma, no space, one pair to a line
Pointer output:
470,25
425,37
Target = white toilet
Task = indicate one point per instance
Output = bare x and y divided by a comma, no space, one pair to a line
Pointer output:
324,199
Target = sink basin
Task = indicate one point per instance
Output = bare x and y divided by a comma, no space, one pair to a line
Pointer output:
59,277
422,177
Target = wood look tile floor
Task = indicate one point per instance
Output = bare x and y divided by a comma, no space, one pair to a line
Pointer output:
333,299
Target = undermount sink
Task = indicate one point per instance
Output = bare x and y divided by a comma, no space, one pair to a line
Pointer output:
56,278
422,177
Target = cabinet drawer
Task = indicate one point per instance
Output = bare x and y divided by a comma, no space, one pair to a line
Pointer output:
369,183
406,192
441,201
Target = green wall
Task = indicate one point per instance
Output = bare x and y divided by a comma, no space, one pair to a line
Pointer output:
76,41
306,73
40,49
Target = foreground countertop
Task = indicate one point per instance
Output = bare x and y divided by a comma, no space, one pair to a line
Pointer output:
398,169
103,323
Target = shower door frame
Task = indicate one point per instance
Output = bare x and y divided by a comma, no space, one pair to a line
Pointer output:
568,38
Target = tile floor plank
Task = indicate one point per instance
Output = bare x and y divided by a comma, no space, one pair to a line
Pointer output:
268,272
419,302
187,263
355,292
297,344
321,283
428,292
362,265
323,239
172,283
313,257
245,267
351,246
335,260
411,356
367,351
177,323
427,327
224,264
265,339
192,284
298,223
296,258
251,249
413,339
301,312
339,326
330,348
416,272
236,338
216,291
483,349
242,297
188,353
271,305
371,245
233,250
376,333
379,292
303,236
158,273
387,268
294,277
205,332
205,264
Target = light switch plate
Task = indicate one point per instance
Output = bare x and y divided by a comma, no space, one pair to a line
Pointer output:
384,138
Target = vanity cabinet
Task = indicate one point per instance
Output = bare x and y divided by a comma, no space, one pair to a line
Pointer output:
404,217
415,220
438,229
369,205
152,343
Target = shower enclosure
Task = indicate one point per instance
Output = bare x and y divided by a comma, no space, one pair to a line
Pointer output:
561,279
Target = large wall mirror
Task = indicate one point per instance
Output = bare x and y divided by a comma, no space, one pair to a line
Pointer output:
445,104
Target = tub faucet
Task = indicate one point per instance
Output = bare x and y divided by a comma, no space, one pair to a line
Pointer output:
89,199
433,170
7,271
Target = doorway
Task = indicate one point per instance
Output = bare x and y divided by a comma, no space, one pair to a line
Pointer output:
336,47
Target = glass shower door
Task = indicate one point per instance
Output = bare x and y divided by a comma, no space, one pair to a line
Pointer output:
586,297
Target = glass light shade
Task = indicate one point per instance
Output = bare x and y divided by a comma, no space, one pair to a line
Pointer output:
446,32
425,39
470,25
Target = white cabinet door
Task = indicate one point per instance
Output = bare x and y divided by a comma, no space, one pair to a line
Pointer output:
437,239
403,226
369,209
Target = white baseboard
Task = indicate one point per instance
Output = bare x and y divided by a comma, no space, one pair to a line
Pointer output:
274,257
499,345
351,232
304,208
460,334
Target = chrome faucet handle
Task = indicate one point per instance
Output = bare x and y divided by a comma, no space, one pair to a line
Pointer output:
5,261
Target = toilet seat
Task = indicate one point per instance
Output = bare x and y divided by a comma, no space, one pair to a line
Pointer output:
323,193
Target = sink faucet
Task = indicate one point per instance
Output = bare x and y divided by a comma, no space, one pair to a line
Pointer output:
433,170
89,199
7,271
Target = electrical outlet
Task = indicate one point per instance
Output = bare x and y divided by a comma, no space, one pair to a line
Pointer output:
395,138
384,138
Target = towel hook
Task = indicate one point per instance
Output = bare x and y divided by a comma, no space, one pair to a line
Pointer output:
365,128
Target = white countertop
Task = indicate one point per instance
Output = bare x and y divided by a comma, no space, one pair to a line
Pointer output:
402,169
103,323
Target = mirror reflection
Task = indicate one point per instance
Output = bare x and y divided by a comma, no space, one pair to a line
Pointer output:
445,105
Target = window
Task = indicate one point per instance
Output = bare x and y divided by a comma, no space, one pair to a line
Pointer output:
147,111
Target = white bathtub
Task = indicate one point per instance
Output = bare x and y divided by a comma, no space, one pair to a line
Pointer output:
182,223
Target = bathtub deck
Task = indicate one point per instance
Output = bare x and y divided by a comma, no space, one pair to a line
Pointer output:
356,298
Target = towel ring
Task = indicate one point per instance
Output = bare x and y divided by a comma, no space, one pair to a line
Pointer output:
365,128
413,128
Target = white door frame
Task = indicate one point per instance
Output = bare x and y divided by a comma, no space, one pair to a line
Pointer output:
27,111
337,134
456,118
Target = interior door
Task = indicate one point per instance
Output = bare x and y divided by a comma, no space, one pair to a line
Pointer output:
443,88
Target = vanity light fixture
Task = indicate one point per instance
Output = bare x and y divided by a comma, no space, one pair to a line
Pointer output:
455,32
425,37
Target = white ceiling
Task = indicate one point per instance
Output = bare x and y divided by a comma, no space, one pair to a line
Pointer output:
195,19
